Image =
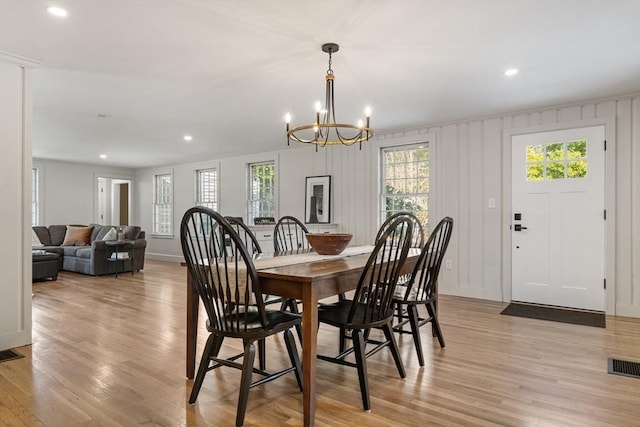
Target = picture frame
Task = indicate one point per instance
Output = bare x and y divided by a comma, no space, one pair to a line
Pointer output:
317,207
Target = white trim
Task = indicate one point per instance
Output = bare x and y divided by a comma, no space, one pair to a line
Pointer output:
376,147
610,200
19,60
169,235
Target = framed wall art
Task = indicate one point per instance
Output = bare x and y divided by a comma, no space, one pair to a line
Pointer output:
317,208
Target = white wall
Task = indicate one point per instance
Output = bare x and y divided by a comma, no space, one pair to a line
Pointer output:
466,170
15,192
68,191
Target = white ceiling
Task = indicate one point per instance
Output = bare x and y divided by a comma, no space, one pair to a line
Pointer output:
226,72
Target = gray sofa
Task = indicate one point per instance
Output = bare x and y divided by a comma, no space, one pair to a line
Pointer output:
94,258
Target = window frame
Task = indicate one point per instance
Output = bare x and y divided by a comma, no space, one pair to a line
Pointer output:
251,214
156,232
198,199
382,210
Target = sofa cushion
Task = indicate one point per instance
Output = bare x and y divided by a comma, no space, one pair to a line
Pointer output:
84,253
112,234
131,232
43,234
35,240
96,230
77,236
70,250
57,233
104,229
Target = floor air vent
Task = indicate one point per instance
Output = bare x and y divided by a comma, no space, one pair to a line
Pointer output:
7,355
624,367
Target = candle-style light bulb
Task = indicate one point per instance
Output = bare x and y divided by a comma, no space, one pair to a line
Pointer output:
367,111
318,107
287,118
360,124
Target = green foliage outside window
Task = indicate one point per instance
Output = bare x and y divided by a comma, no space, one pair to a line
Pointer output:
551,161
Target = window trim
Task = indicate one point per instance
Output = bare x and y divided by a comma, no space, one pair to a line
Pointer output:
382,191
375,157
171,204
249,200
216,187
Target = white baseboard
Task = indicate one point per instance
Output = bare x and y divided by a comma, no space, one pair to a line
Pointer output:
627,310
164,257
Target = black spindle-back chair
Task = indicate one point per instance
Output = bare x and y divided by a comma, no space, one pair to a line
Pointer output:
371,303
228,286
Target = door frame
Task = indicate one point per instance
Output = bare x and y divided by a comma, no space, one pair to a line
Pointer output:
116,177
609,196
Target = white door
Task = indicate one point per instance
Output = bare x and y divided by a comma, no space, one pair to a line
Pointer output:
557,219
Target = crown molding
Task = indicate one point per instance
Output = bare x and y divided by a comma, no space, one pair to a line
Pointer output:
19,60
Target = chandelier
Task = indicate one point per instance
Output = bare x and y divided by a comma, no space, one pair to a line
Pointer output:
325,130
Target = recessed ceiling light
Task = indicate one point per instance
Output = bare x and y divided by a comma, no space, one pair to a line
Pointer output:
103,156
57,11
188,138
511,72
103,116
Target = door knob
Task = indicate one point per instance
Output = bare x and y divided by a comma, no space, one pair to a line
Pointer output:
518,227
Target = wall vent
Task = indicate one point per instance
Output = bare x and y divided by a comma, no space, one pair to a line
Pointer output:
7,355
624,367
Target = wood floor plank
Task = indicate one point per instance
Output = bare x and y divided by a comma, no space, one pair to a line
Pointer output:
110,352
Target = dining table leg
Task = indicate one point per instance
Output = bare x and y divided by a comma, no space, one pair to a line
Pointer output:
309,352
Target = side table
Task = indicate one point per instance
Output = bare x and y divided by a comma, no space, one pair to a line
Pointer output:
120,248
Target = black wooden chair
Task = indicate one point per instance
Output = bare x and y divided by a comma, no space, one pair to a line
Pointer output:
422,288
371,304
246,236
289,235
418,231
253,247
228,286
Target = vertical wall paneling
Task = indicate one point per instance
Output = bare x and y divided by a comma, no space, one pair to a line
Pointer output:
464,205
493,227
477,204
624,197
470,163
635,202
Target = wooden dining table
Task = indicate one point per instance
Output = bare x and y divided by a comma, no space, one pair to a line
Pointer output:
309,282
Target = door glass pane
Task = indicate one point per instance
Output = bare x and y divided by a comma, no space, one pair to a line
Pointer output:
555,151
577,169
555,170
577,149
535,172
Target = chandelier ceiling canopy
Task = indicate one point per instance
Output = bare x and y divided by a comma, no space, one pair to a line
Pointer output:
325,130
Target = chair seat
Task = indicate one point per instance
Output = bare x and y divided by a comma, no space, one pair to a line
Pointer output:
337,314
250,319
416,296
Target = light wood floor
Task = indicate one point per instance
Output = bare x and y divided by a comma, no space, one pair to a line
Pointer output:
110,352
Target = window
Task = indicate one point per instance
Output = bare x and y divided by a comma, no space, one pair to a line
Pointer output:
405,181
163,205
556,160
262,200
207,188
35,196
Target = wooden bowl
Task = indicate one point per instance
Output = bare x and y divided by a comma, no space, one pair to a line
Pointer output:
329,243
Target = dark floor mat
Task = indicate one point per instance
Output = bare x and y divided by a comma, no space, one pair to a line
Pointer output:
556,314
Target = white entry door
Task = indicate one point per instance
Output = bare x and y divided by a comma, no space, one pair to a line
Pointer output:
557,218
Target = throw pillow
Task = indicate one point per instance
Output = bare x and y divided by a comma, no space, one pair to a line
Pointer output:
77,236
112,234
35,240
131,232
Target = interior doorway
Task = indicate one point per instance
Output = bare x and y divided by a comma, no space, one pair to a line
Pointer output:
114,201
